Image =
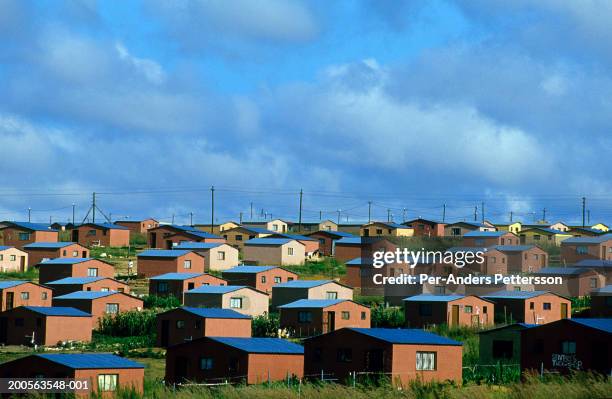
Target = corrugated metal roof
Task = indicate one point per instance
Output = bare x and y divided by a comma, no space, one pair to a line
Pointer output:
215,289
303,283
192,245
548,230
562,270
258,230
75,280
514,294
106,226
513,248
587,240
312,303
594,263
215,313
523,325
433,298
477,234
249,269
268,241
349,241
603,290
58,311
50,245
334,233
359,261
467,249
64,261
86,295
30,226
162,253
3,247
91,361
261,345
294,236
202,234
11,283
598,324
176,276
406,336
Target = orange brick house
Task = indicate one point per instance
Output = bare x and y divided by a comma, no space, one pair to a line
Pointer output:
73,284
101,234
18,234
99,303
531,307
262,278
453,310
42,251
153,262
23,293
59,268
138,226
176,284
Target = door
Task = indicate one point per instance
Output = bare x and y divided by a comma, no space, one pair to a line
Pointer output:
455,315
84,255
165,332
564,310
329,322
10,297
153,240
180,368
75,235
22,264
375,360
168,244
190,286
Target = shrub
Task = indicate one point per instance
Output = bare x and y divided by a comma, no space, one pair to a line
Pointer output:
138,239
128,324
266,325
387,317
161,302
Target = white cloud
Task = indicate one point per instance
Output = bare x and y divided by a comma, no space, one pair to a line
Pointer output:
149,68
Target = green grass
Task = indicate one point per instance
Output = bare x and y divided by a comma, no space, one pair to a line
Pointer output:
30,274
328,268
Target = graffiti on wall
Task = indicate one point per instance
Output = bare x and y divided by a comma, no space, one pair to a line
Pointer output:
566,361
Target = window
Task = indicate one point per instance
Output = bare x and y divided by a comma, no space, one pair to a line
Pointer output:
484,309
24,236
290,251
378,231
162,286
289,278
425,309
531,305
346,315
593,282
331,295
363,316
277,280
304,316
263,279
274,227
13,258
1,257
206,363
238,237
467,309
180,324
64,252
581,250
236,303
197,324
43,295
107,382
91,233
186,264
344,355
25,296
221,255
104,289
112,308
75,254
546,306
92,272
19,322
456,231
426,360
568,347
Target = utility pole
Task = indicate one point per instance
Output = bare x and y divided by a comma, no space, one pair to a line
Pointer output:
29,214
544,214
110,216
482,211
583,211
511,214
173,218
191,219
212,206
240,217
251,212
443,213
73,205
339,210
403,215
50,217
369,211
300,217
476,213
589,217
320,216
388,215
93,208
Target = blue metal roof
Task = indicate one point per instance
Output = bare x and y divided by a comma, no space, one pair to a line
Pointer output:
594,263
261,345
202,234
162,253
86,295
569,271
335,233
294,236
30,226
312,303
258,230
303,283
75,280
406,336
215,289
513,248
3,247
548,230
603,290
91,361
433,298
49,245
64,261
587,240
478,234
105,226
514,294
215,313
598,324
192,245
58,311
524,325
360,261
10,283
268,241
349,241
249,269
473,224
176,276
467,249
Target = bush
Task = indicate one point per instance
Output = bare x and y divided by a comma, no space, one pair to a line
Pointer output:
128,324
266,326
138,239
161,302
387,317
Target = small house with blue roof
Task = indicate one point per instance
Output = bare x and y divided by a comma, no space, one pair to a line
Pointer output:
167,236
402,355
309,317
140,226
577,281
567,345
184,324
241,298
385,229
59,268
101,235
14,293
154,262
310,226
531,307
176,284
453,310
489,238
72,284
234,360
18,234
459,229
426,227
105,372
576,249
292,291
274,251
99,303
13,259
327,240
542,235
262,278
237,236
501,344
217,255
42,251
44,325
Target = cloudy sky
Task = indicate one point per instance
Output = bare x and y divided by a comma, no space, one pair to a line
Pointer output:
411,105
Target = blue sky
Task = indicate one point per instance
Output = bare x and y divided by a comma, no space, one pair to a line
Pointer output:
411,105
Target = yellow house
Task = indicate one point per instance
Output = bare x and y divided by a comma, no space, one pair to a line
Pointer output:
238,235
543,235
217,228
275,225
311,227
600,226
514,227
380,229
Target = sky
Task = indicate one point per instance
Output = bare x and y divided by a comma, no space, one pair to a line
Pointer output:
415,106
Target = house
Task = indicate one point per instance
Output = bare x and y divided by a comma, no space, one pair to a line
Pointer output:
61,226
577,281
274,251
601,226
543,236
176,284
502,344
309,227
217,228
558,226
523,258
262,278
179,325
404,355
237,236
18,234
217,256
72,284
585,232
493,261
235,360
42,251
43,325
138,226
425,227
101,235
601,302
453,310
23,293
242,299
275,226
99,303
351,228
292,291
105,372
531,307
59,268
458,229
348,248
489,238
513,227
13,259
567,345
362,275
576,249
308,317
154,262
311,245
603,267
167,236
382,229
327,240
